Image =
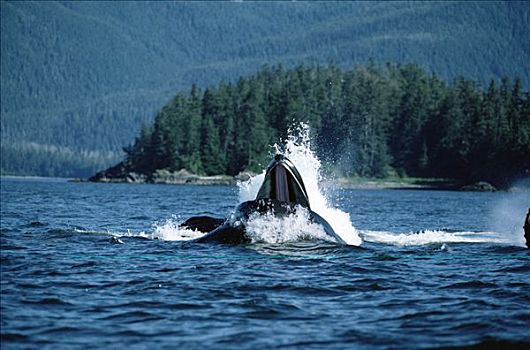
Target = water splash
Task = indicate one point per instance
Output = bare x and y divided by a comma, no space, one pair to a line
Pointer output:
298,149
169,230
295,227
509,212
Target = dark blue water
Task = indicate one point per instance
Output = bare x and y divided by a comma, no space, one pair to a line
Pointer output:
437,269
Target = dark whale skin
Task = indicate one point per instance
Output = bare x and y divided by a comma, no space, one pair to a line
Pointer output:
282,193
232,230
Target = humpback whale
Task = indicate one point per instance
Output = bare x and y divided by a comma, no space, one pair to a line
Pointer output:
281,194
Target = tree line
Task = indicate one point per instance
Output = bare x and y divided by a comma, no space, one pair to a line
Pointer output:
369,121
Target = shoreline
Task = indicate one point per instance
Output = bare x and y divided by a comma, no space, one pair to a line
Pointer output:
36,178
432,184
399,183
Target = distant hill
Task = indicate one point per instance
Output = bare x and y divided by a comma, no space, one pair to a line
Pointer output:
78,79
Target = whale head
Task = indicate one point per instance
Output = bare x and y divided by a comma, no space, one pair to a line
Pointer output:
283,183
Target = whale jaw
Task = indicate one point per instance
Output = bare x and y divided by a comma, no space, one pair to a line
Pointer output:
281,194
283,183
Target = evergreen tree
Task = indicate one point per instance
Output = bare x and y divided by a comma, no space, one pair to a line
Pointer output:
365,121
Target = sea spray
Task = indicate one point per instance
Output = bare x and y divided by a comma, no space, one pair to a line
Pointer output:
509,211
295,227
169,230
297,148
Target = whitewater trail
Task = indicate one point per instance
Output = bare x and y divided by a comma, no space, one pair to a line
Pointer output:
432,236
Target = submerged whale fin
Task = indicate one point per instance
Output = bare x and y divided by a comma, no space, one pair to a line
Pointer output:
326,226
202,223
226,233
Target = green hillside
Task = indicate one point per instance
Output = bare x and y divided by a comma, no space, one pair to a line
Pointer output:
78,79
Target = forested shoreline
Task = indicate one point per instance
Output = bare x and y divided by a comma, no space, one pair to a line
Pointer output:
370,121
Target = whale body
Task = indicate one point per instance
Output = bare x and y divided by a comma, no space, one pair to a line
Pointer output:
281,194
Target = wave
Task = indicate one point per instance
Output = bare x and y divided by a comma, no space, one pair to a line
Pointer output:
435,236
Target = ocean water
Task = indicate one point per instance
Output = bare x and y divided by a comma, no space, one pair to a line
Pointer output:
88,265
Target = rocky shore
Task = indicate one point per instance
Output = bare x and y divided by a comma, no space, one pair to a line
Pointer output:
119,174
481,186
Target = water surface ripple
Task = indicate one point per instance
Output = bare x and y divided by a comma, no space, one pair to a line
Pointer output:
66,284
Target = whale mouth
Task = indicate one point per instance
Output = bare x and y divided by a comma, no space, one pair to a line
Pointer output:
283,183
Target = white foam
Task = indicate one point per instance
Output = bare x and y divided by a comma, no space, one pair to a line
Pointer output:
432,236
169,230
295,227
114,233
